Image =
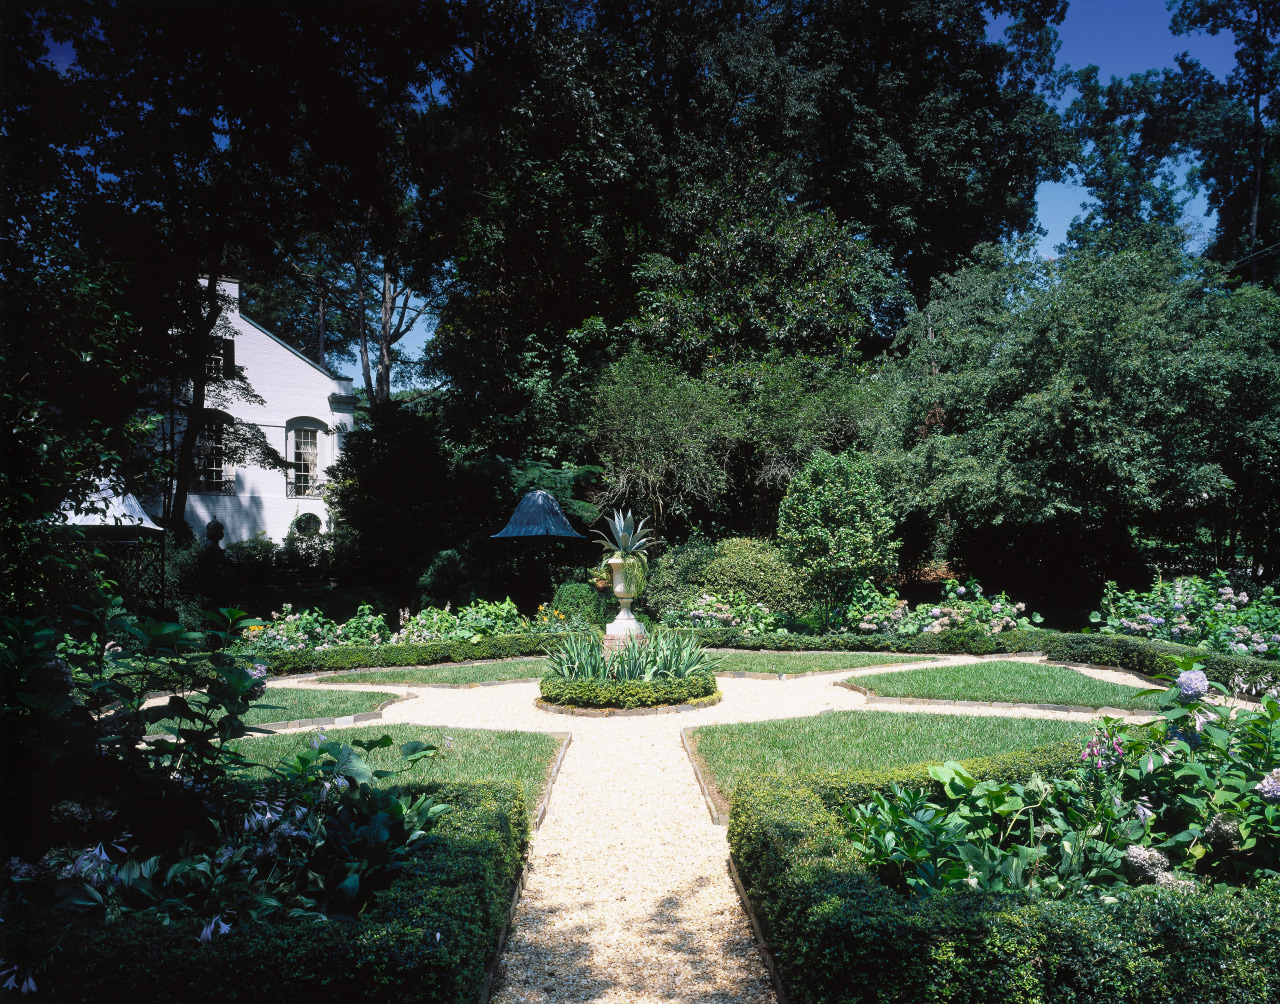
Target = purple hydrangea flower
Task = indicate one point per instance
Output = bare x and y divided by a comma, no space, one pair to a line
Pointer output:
1269,787
960,591
1193,685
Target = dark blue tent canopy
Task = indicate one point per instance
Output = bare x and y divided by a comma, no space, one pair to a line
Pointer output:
538,515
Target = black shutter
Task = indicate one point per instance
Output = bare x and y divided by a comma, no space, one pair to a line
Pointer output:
229,358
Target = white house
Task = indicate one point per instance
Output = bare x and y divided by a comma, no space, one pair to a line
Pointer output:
305,413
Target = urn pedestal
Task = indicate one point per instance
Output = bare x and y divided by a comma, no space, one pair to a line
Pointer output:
625,624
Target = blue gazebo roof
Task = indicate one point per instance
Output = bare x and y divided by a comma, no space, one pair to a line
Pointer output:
538,515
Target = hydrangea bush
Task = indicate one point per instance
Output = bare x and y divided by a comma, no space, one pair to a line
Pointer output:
729,609
961,607
1208,613
1188,801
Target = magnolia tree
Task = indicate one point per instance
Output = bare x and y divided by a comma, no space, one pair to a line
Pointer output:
834,526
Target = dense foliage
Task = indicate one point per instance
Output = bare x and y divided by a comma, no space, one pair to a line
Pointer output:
1208,613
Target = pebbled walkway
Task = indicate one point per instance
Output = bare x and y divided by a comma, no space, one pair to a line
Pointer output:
628,896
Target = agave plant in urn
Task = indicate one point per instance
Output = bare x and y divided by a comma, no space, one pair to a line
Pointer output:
624,557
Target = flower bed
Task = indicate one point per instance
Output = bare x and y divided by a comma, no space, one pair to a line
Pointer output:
628,694
1208,612
430,934
1149,869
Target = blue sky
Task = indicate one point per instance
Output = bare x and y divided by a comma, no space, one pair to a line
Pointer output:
1122,37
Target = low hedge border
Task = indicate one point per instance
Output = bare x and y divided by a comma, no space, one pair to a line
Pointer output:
353,657
1244,675
460,887
836,934
626,694
697,704
940,702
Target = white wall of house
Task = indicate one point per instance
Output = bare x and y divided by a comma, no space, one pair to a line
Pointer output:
301,402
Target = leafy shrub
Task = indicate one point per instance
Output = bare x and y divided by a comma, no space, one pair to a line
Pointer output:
584,605
834,524
757,571
1239,673
962,608
677,577
433,929
970,641
481,619
633,693
664,655
255,556
290,630
1209,613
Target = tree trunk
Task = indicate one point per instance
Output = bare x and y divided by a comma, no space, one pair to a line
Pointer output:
197,360
389,294
362,325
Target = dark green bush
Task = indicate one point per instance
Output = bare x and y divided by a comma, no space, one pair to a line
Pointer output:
626,694
459,887
502,646
677,577
585,601
1140,655
839,935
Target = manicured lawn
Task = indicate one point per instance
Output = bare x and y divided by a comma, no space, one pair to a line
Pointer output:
285,704
1020,682
512,669
805,662
476,754
860,740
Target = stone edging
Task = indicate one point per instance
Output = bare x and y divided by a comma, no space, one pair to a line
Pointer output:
666,709
758,931
717,818
930,702
540,813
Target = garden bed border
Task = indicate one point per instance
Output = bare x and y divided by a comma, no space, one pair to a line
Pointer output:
664,709
1004,705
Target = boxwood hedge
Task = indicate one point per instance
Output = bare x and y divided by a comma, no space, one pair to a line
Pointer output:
839,935
1241,673
626,694
503,646
429,937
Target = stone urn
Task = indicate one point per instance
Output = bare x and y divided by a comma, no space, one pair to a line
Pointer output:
625,624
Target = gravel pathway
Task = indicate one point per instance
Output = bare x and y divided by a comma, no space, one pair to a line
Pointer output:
628,896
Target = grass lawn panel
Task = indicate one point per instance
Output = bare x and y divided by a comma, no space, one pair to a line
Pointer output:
476,754
1018,682
291,705
802,662
864,740
515,669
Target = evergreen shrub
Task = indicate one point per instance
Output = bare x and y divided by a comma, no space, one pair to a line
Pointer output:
961,642
585,602
583,693
430,935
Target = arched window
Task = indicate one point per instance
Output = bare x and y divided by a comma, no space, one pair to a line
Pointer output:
304,457
212,475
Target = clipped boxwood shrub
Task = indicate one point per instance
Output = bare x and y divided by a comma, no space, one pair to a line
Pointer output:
1241,673
460,887
502,646
838,935
628,693
585,601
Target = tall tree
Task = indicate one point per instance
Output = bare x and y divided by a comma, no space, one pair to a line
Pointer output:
1238,129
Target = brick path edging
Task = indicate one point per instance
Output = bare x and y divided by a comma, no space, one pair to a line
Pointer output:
666,709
